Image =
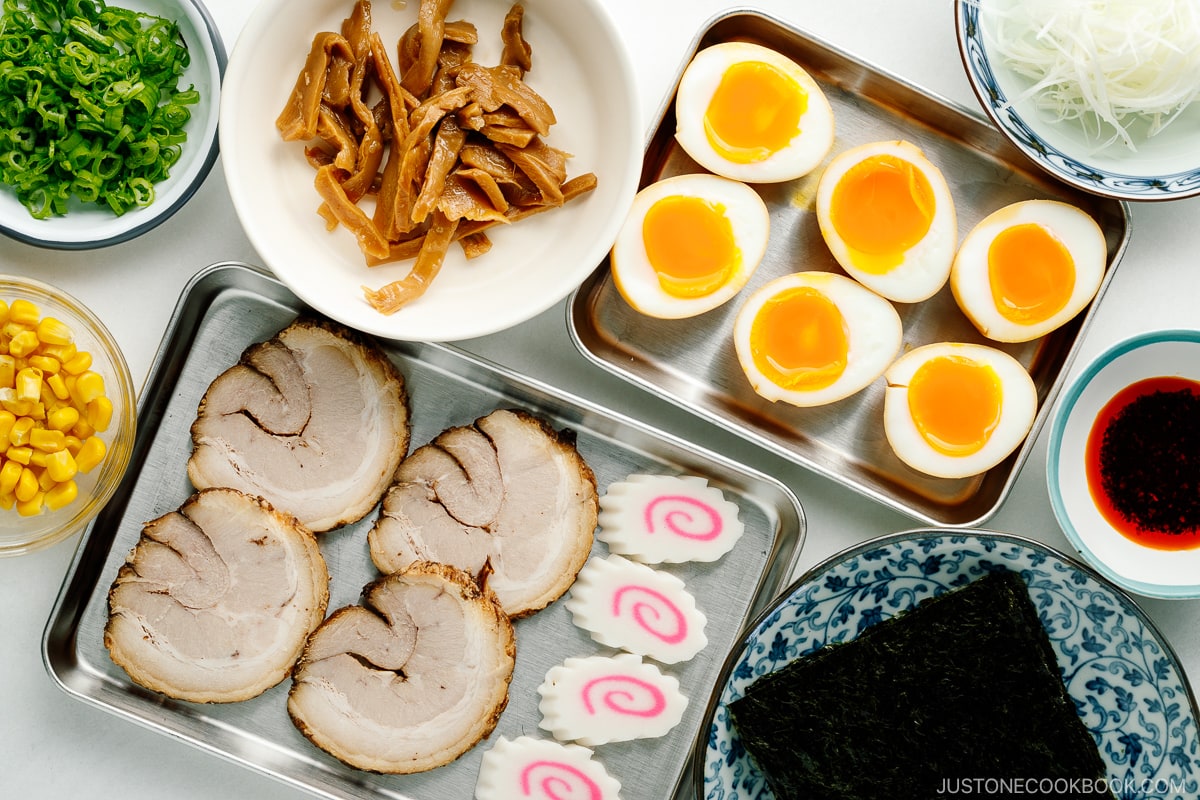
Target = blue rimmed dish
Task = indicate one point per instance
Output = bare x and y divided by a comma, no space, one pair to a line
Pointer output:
1169,574
1165,166
1127,683
87,227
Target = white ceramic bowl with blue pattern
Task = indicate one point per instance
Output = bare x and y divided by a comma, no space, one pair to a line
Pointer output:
1165,166
1127,683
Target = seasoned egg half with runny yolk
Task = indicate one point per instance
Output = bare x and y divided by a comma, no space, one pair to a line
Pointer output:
750,113
888,218
953,410
689,244
811,338
1028,268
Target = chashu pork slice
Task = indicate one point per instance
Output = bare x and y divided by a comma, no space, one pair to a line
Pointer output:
412,678
508,496
216,599
314,420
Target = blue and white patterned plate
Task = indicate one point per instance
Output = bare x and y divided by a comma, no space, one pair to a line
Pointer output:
1126,681
1164,167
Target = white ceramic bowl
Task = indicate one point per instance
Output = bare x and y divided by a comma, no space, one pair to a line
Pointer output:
580,66
1164,167
88,227
1138,568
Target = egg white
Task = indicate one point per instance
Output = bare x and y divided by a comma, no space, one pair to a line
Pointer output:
635,277
1017,411
874,335
925,266
1072,226
699,83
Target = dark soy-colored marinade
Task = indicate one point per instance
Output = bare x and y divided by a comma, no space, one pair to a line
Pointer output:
962,688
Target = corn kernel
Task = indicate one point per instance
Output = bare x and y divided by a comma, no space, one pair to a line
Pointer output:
52,331
7,501
8,371
60,419
58,386
7,420
21,455
11,329
27,485
59,352
19,435
3,311
61,466
47,364
61,495
90,453
88,386
73,444
47,440
29,384
10,473
100,413
24,312
23,344
78,363
45,482
31,507
82,429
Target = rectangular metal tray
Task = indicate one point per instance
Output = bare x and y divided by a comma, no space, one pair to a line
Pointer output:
692,363
225,308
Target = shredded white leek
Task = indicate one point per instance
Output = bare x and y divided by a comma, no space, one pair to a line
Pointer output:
1107,63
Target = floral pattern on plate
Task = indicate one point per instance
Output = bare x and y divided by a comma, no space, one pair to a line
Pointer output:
1126,681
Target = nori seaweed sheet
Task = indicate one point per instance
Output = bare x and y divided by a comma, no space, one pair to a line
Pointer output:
963,687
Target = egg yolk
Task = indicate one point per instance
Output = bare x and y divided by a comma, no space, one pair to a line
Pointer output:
955,403
881,207
690,244
754,112
1031,272
800,340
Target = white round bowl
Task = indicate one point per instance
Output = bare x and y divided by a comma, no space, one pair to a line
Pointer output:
1164,167
580,66
86,227
1135,567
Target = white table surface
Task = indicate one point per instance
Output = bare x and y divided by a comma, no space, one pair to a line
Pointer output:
53,746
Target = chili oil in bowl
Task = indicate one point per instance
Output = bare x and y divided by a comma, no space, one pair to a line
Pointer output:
1123,466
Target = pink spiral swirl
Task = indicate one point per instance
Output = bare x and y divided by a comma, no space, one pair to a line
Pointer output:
624,699
555,780
687,517
648,614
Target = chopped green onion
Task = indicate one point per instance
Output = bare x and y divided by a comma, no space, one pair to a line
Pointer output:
91,110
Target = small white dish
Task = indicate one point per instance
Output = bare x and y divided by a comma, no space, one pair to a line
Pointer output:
580,66
1164,167
1144,570
89,227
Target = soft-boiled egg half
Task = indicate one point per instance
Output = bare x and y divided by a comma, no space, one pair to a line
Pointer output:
752,114
689,244
952,410
1028,268
811,338
888,217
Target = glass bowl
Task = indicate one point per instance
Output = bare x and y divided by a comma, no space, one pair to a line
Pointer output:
22,534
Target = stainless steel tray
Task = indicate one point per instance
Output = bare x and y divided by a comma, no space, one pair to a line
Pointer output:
691,362
228,306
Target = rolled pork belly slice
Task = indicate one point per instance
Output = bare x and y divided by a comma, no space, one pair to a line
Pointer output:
216,600
508,498
410,679
315,420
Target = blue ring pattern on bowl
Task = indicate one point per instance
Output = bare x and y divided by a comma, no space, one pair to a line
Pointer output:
1054,461
1126,681
218,45
1071,170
